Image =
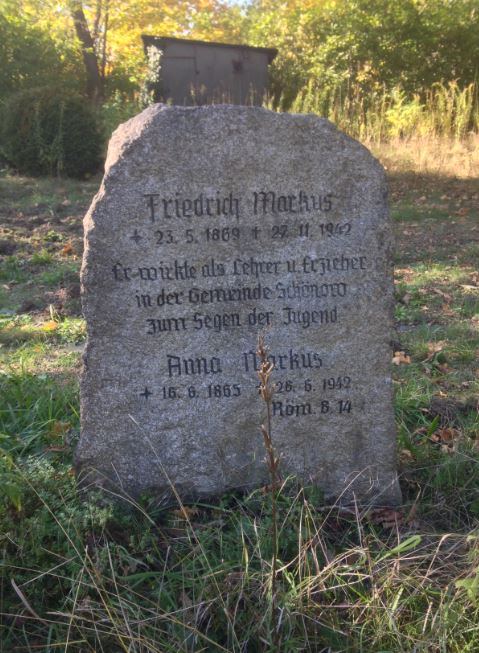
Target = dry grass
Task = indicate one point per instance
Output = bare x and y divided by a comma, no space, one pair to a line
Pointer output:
430,155
432,132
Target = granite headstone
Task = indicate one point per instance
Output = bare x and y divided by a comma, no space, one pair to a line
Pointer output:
212,225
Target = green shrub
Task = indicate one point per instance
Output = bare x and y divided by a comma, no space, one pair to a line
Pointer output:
117,110
49,132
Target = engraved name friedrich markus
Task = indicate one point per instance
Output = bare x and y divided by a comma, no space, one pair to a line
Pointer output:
217,205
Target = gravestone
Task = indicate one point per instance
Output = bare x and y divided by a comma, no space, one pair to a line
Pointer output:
212,225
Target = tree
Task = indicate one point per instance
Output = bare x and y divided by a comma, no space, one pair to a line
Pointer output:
31,57
106,36
367,45
94,78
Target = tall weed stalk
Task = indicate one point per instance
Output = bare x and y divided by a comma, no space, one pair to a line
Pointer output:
443,111
272,461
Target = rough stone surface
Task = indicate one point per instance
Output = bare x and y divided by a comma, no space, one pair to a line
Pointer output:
211,225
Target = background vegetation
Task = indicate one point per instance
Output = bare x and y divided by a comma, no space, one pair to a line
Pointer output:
380,69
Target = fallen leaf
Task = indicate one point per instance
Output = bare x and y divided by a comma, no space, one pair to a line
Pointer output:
185,512
51,325
387,517
405,455
447,310
446,438
401,358
67,249
58,428
448,434
434,348
444,295
405,271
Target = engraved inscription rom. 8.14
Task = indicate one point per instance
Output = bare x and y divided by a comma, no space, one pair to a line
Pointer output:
212,225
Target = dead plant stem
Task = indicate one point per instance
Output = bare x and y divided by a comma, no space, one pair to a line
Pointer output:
272,461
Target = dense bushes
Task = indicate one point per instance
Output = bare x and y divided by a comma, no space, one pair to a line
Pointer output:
45,132
362,47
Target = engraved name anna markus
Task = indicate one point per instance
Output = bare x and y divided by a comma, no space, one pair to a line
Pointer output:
204,366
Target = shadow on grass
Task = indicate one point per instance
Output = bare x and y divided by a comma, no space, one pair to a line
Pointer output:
436,218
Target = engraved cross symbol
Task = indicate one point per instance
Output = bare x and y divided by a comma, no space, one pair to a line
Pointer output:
146,393
136,237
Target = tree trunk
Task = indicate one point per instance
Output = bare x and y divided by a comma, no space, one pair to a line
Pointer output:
94,83
105,36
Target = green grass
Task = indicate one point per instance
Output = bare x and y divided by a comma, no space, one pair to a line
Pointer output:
405,212
61,272
43,257
31,405
15,331
44,192
13,269
92,576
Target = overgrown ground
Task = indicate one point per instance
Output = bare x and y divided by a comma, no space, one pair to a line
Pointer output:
88,577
